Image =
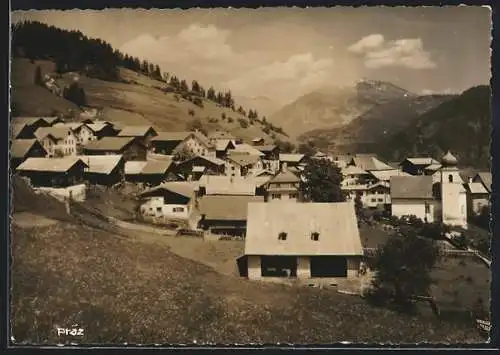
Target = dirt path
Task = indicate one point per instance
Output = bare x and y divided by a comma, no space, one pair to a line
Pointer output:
30,220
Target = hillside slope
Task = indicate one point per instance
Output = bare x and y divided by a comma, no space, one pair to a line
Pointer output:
462,124
120,289
380,121
137,99
333,107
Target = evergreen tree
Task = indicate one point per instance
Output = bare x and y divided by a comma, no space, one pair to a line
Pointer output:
183,86
211,94
38,76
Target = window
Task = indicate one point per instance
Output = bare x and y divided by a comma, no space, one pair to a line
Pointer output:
293,196
278,185
178,209
276,196
450,178
315,236
158,209
374,200
380,200
282,236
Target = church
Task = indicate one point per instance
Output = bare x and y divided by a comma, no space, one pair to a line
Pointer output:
443,201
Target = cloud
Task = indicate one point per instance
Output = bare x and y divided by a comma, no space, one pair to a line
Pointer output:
369,42
299,73
378,53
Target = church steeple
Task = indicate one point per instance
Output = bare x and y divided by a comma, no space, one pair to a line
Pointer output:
449,160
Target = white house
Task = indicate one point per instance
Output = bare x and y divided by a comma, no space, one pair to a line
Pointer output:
170,143
167,202
283,187
243,164
82,132
313,243
57,140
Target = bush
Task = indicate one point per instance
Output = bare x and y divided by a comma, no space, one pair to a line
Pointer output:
223,115
198,101
243,123
191,112
230,119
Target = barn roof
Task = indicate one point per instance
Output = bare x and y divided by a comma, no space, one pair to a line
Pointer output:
20,147
335,222
291,158
411,187
369,162
227,185
49,164
135,131
385,175
101,164
232,208
182,188
109,143
246,148
422,161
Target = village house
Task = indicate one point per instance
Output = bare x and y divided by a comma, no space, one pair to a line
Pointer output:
195,167
21,131
151,172
244,148
171,143
258,141
417,166
57,141
242,164
415,195
284,186
225,215
313,243
419,195
369,163
354,176
106,170
478,197
81,131
292,161
170,202
129,147
143,134
21,149
271,157
222,146
59,177
102,129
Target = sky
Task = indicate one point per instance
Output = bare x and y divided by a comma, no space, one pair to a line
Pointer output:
283,53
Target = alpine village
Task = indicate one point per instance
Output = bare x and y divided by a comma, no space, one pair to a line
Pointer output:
149,209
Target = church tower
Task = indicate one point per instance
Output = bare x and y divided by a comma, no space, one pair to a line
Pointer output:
453,193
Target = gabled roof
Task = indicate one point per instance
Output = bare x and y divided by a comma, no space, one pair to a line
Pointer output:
50,164
385,175
424,161
227,185
411,187
17,128
20,147
477,188
243,159
70,125
56,132
182,188
212,160
353,170
433,167
101,164
27,120
291,158
228,208
335,222
154,167
222,144
383,184
266,148
134,167
486,178
284,177
109,143
135,131
97,127
369,162
51,120
246,148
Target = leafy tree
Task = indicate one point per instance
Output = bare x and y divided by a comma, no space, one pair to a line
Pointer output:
284,146
403,266
307,148
321,182
38,76
195,125
358,206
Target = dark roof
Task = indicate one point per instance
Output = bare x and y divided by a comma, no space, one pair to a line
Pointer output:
110,143
411,187
17,128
